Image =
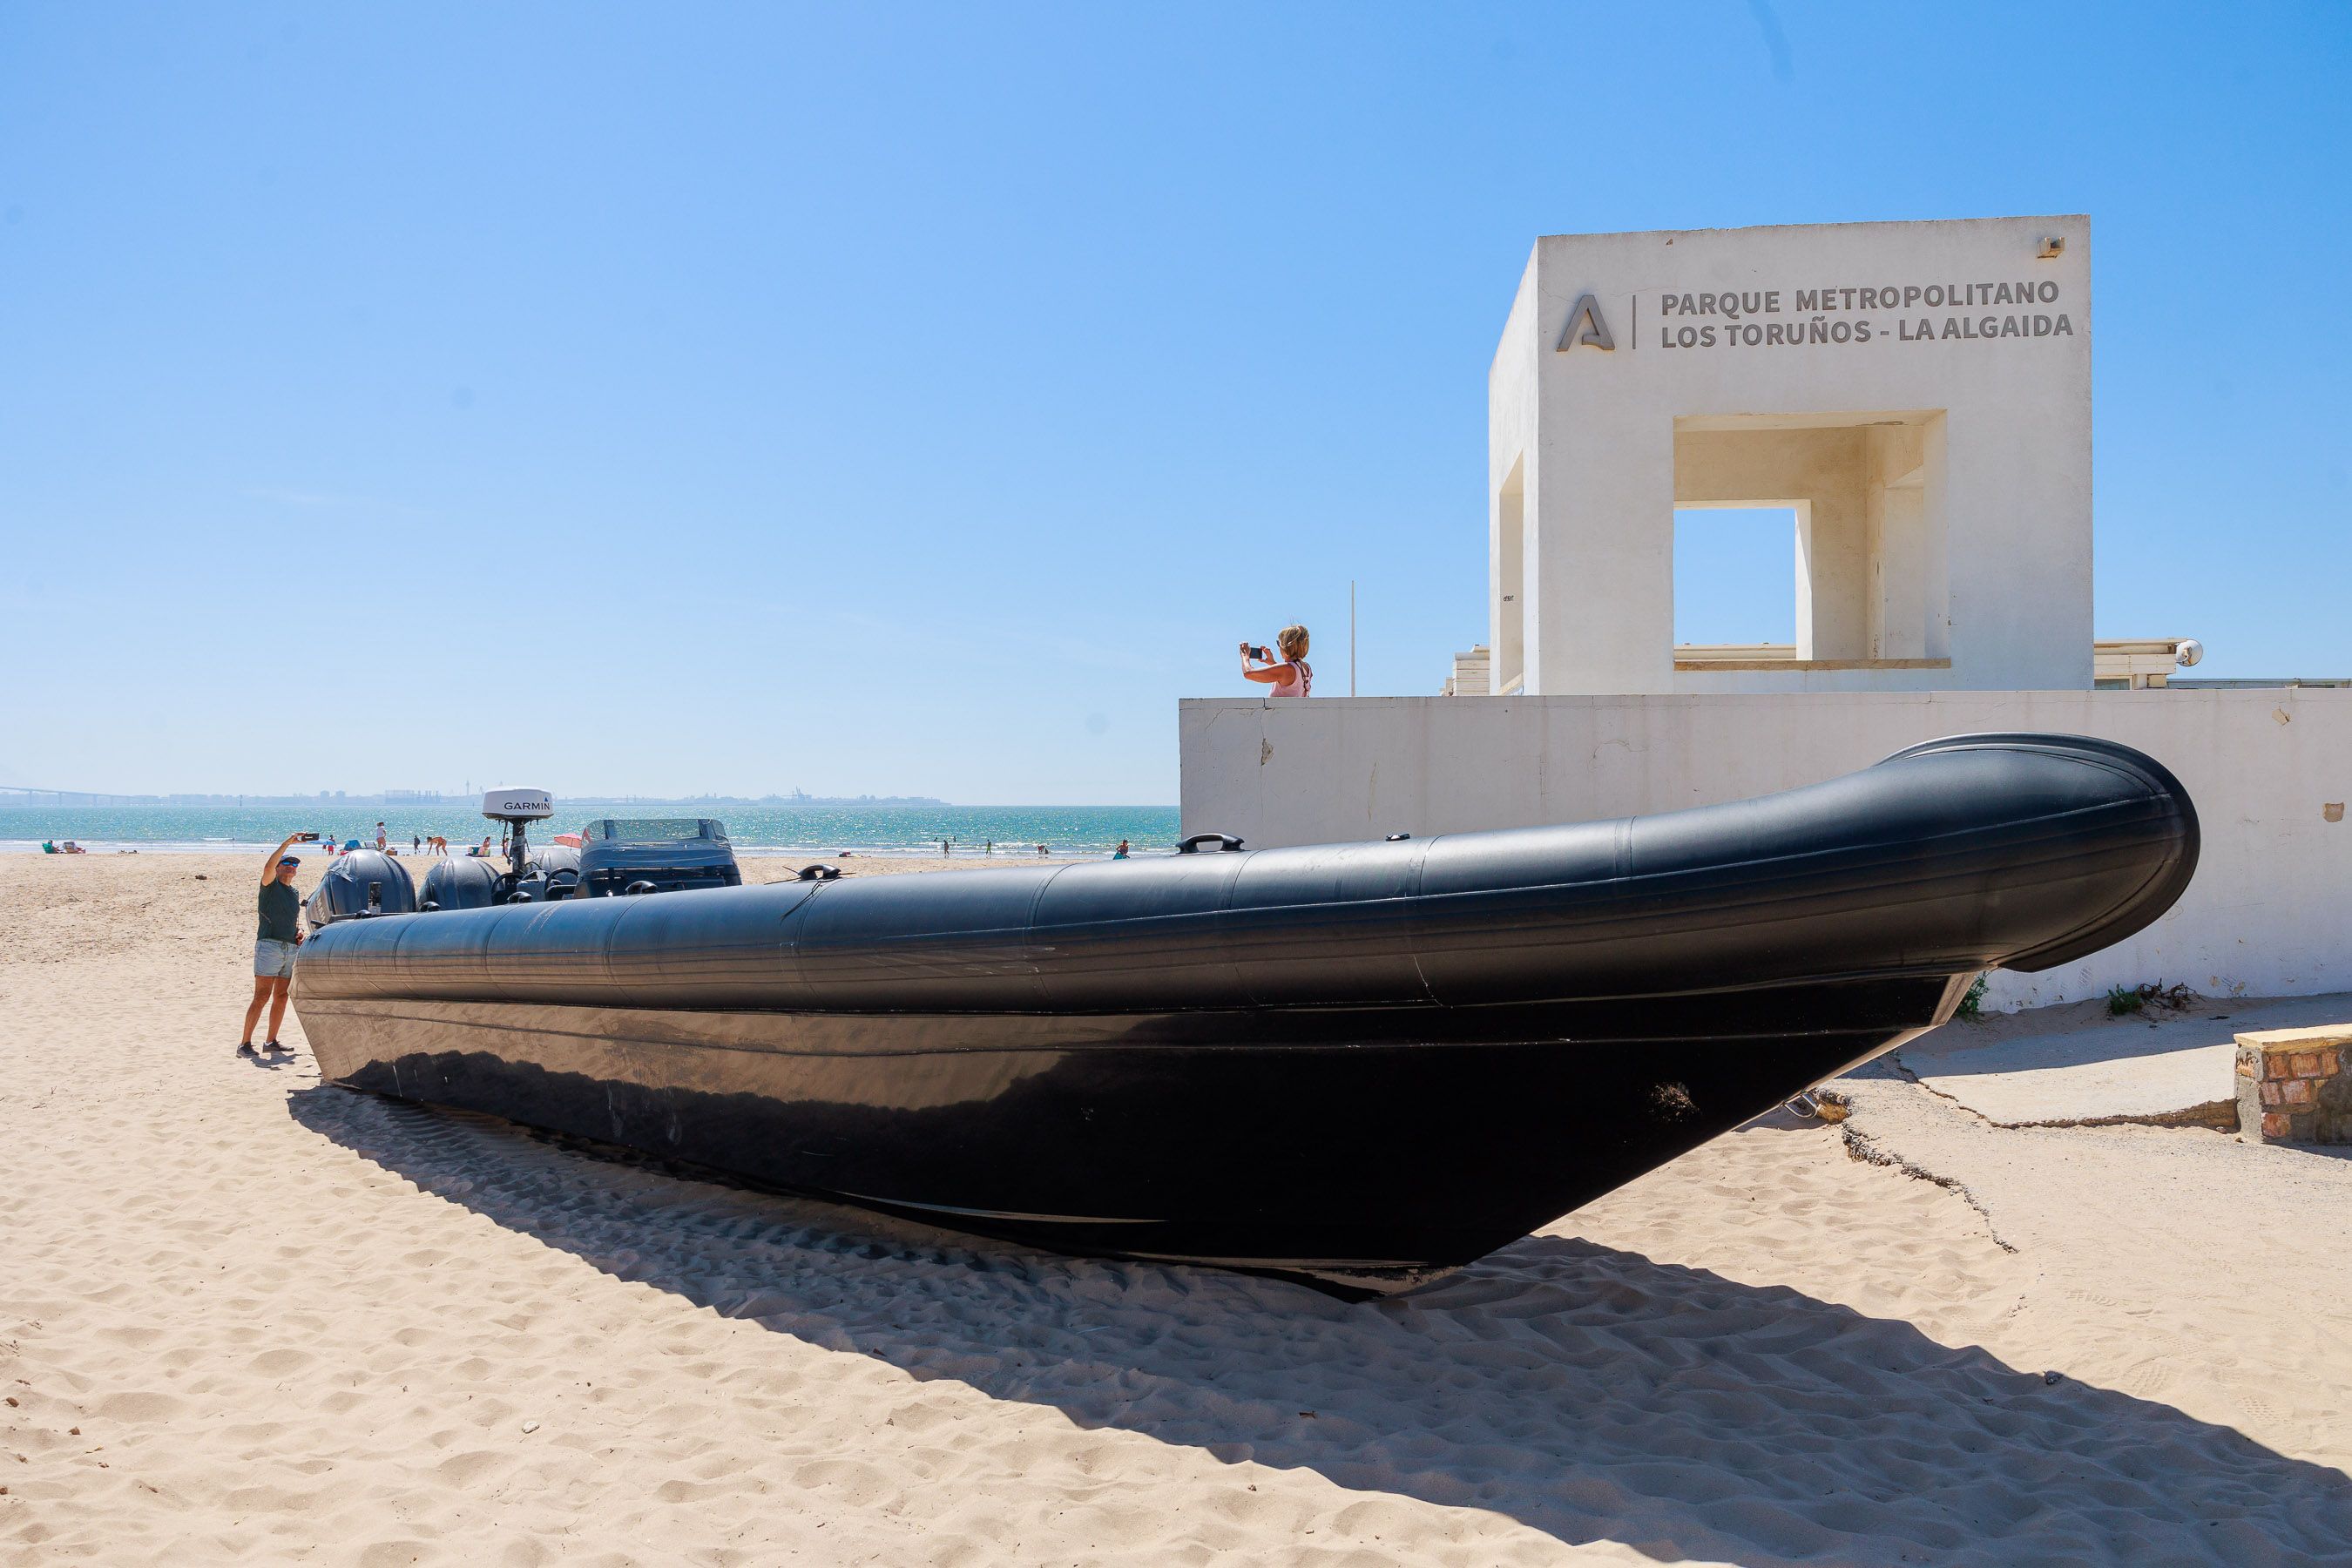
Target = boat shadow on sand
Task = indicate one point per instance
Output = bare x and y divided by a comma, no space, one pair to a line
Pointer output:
1588,1393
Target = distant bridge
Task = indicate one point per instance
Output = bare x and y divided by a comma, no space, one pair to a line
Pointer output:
67,796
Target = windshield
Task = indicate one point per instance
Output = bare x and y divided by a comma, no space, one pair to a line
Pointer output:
652,829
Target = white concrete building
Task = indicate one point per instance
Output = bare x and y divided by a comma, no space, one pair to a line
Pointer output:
1918,394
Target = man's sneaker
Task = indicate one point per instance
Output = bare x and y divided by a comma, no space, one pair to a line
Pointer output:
272,1045
245,1048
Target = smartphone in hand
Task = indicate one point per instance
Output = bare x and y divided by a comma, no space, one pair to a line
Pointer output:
306,839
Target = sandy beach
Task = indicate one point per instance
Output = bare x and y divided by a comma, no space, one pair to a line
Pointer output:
246,1317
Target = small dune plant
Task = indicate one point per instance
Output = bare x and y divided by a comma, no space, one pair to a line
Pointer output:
2125,1000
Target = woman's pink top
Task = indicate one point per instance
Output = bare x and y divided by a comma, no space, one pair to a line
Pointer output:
1298,681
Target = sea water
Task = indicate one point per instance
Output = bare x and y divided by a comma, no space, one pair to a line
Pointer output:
754,829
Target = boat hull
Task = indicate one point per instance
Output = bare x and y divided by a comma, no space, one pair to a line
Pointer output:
1359,1065
1344,1148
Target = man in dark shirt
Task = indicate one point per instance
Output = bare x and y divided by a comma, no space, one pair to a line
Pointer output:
278,934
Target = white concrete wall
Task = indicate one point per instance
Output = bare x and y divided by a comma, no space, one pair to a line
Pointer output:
2007,595
2266,915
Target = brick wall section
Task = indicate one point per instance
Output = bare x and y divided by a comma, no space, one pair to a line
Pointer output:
2294,1086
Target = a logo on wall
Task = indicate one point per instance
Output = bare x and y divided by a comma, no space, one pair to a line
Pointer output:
1585,326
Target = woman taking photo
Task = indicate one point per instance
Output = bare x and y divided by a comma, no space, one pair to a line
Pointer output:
1290,676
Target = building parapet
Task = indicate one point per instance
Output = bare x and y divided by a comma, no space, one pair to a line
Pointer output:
2133,664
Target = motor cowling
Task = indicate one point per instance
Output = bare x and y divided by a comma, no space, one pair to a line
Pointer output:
358,885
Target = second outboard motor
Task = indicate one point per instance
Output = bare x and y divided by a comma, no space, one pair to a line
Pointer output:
462,882
362,883
554,873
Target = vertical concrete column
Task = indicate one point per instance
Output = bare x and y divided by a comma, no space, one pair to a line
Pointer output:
1832,543
1510,614
1512,458
1934,559
1896,521
1833,570
1600,559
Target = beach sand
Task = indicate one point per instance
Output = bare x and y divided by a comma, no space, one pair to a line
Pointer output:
245,1317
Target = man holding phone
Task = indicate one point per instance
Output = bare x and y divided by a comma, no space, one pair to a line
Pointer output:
275,940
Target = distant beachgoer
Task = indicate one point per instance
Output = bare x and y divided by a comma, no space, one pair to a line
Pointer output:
275,940
49,846
415,843
1119,853
943,848
1290,676
379,836
1040,849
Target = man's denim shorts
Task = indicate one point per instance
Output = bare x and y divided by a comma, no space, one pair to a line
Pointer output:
272,960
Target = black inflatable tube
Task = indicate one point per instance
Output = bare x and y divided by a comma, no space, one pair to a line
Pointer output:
1953,856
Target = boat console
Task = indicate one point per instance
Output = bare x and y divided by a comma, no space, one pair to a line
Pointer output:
656,855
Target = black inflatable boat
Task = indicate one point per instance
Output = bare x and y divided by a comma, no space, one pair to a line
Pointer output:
1360,1065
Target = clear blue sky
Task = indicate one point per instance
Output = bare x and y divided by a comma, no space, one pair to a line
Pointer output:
921,398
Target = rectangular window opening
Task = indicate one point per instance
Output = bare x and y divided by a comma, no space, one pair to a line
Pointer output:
1735,575
1811,539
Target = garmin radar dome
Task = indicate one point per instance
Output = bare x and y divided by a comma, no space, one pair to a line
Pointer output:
517,805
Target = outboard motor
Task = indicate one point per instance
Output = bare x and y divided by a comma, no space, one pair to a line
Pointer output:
555,874
359,884
462,882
